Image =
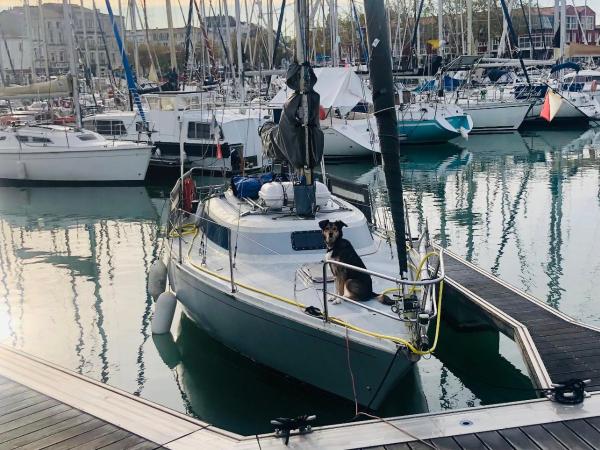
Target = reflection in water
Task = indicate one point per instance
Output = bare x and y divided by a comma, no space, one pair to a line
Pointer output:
524,207
74,264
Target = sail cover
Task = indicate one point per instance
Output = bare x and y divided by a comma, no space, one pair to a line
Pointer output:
61,87
339,87
287,139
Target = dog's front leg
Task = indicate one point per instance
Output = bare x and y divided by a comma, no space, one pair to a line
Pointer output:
335,300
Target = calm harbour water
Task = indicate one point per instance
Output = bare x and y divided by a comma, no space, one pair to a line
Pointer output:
73,265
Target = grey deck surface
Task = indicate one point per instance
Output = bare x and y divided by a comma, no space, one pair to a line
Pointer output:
580,434
568,350
30,420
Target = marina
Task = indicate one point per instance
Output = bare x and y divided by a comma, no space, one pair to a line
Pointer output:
323,224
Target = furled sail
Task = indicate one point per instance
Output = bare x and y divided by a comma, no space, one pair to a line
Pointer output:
61,87
287,139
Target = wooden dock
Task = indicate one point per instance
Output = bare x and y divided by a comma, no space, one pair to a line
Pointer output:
44,406
555,346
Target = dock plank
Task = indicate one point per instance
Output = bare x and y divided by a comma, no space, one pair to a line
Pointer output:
44,404
567,349
104,440
566,436
585,431
83,438
493,440
63,435
517,438
470,442
30,420
542,438
34,417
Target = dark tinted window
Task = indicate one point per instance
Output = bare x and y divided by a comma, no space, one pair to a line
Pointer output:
308,240
199,130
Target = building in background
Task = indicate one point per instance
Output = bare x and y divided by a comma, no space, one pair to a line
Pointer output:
53,51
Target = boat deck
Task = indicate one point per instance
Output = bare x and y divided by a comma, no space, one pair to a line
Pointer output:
555,346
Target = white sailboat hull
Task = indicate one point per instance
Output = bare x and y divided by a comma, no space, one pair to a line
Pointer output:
68,165
347,140
490,117
309,353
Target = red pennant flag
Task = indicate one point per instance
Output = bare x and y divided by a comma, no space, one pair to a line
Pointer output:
219,151
552,103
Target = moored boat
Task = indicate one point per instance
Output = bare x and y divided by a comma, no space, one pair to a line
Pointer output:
53,153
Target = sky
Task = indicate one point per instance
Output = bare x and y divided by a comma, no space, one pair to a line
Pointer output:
157,15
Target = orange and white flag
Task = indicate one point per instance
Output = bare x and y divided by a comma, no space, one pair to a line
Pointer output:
552,103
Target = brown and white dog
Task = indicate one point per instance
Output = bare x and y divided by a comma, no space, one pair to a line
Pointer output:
348,283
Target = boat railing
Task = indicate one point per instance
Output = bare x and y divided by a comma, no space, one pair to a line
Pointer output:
402,282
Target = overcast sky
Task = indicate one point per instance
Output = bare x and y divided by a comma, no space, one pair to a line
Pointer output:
157,16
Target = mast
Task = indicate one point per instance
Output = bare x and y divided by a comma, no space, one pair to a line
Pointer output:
30,39
440,24
96,50
563,27
240,62
469,27
172,51
72,65
85,40
489,28
380,73
270,41
2,79
513,37
44,42
136,54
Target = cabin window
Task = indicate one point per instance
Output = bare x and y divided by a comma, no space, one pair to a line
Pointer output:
40,140
308,240
199,130
87,137
167,104
153,103
2,138
34,139
109,127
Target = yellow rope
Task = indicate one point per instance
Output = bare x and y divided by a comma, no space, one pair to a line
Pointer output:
332,319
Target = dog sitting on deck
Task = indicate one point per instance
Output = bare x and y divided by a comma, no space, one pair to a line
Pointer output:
349,283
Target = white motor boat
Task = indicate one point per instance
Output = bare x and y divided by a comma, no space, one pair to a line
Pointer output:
215,137
253,276
56,153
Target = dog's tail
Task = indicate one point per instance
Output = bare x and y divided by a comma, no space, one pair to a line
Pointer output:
382,298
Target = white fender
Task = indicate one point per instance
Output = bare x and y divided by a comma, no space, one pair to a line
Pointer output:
164,310
21,170
157,279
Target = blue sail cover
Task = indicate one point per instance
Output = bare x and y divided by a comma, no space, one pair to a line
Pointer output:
451,84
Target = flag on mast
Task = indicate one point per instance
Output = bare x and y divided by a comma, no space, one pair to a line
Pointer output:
215,130
552,103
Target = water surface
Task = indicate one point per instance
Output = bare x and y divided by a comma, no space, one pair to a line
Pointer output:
74,262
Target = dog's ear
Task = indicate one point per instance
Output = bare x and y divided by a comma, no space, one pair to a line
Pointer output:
340,224
323,224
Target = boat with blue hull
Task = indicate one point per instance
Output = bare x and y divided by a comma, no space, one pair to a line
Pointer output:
432,123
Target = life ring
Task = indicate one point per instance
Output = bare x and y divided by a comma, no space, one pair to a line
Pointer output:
189,194
322,113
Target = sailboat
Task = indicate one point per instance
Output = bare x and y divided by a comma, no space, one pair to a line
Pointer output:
53,153
249,265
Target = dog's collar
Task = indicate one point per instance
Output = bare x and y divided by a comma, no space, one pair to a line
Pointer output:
329,248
